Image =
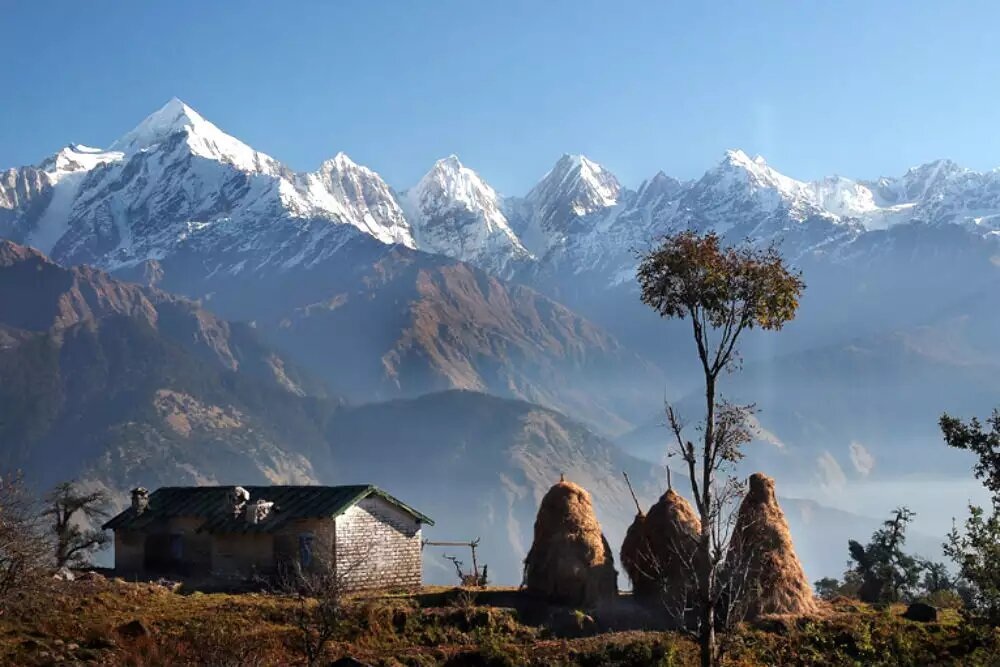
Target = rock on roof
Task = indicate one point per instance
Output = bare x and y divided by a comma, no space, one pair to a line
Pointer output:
290,503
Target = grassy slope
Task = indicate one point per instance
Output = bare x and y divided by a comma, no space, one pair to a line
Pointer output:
443,627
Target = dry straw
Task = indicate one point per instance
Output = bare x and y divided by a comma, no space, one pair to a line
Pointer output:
762,555
658,551
570,562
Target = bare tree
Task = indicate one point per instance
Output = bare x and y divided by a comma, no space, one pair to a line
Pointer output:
723,291
477,577
72,510
23,547
320,588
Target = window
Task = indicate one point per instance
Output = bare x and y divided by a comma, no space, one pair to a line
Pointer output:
306,549
176,547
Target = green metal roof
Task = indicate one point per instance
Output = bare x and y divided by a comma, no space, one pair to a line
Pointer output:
290,503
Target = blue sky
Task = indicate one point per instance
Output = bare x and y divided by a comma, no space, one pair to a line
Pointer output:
855,88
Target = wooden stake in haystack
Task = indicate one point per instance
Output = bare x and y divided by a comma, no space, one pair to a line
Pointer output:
570,562
761,559
658,551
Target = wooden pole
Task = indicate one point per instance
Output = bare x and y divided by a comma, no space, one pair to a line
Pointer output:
630,490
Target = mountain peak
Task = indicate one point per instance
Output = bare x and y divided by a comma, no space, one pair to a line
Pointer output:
587,184
457,181
738,158
660,178
340,162
456,213
659,187
174,116
756,171
936,168
356,194
577,163
202,137
450,163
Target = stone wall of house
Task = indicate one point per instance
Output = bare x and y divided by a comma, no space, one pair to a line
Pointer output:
154,551
196,548
242,555
377,546
129,551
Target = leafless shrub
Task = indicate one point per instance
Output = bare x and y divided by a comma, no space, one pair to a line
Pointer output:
320,590
23,545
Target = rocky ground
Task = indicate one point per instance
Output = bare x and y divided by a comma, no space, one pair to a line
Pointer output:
98,621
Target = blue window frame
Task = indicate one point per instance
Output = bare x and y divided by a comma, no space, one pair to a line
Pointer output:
306,549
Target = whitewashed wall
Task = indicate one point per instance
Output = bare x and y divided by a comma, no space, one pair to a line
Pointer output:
378,546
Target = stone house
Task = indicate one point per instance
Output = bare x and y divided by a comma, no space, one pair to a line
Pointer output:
370,538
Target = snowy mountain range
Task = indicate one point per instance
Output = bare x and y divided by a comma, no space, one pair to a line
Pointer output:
177,182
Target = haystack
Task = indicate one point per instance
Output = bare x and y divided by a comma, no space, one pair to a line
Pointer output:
570,562
658,551
761,558
635,546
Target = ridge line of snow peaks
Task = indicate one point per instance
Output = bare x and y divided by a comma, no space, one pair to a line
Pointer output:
176,116
577,197
210,141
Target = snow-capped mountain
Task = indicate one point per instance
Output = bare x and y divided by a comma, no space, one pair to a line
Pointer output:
359,194
939,192
738,186
76,159
24,195
836,218
454,212
178,185
552,211
202,139
35,202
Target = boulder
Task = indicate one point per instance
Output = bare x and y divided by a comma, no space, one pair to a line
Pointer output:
921,612
348,661
132,629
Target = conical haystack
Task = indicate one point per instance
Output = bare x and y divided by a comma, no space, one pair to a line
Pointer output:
658,551
570,562
634,547
761,559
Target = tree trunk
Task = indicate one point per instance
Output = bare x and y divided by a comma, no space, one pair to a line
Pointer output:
706,614
707,639
707,582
